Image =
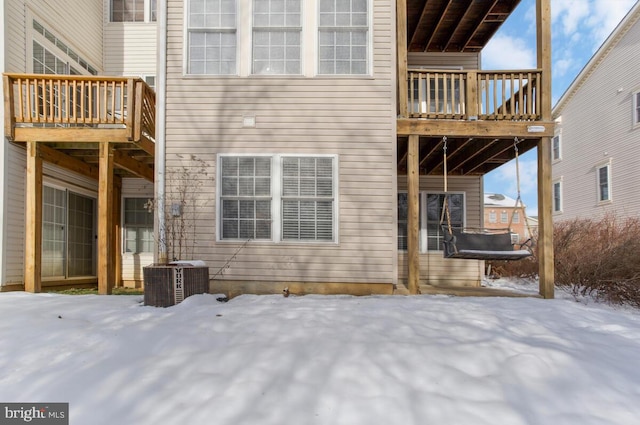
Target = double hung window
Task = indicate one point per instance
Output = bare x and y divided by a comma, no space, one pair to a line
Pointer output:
211,37
133,10
343,33
277,36
604,183
277,198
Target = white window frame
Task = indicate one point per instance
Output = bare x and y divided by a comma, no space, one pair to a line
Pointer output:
150,12
636,108
599,191
504,216
126,225
272,29
516,217
556,147
215,30
309,49
493,217
277,197
557,203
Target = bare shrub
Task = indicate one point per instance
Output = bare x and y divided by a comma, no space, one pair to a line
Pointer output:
597,258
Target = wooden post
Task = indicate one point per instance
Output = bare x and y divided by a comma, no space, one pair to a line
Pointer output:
105,220
545,198
401,47
33,222
117,230
413,183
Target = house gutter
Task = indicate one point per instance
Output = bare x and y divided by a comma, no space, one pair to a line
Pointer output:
161,108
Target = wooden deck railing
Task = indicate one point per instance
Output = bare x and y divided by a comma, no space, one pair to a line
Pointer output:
469,95
80,101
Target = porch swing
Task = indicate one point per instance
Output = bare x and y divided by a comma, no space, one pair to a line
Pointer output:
481,243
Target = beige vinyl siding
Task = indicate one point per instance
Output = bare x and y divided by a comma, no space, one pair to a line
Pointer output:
129,47
597,128
14,222
352,118
132,264
434,269
445,60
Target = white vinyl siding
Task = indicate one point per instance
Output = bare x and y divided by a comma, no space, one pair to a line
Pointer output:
343,33
211,37
277,37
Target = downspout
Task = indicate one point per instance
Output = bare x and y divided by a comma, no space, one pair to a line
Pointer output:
161,108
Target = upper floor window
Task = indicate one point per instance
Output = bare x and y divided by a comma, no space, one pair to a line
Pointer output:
604,183
280,37
557,196
343,33
211,37
516,217
277,36
504,217
556,153
133,10
636,108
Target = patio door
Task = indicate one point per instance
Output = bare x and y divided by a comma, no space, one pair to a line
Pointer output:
68,234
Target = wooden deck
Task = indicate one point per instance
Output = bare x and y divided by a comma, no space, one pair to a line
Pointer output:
100,127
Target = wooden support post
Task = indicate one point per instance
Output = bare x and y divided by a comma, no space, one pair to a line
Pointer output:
545,223
401,47
105,220
117,230
413,183
33,222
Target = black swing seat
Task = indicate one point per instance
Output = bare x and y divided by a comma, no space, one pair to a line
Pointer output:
480,244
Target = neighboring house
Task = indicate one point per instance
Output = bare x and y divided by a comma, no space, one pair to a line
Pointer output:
503,212
51,230
597,142
299,145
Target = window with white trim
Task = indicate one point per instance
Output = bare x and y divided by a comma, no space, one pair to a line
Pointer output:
211,37
277,198
246,197
133,10
280,37
556,153
504,217
493,218
137,225
430,218
604,183
343,33
557,196
516,217
636,108
277,37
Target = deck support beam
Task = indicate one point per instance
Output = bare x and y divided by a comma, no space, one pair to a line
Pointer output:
545,223
106,269
33,222
413,183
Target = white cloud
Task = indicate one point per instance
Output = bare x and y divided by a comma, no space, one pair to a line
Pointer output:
504,51
569,14
606,15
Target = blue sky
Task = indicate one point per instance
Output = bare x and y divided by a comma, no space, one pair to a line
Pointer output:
578,29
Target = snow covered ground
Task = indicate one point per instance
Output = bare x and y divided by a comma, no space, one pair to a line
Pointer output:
271,360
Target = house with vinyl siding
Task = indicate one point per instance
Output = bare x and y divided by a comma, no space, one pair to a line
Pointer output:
597,142
297,145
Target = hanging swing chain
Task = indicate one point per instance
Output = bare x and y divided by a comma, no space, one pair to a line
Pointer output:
519,198
445,208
